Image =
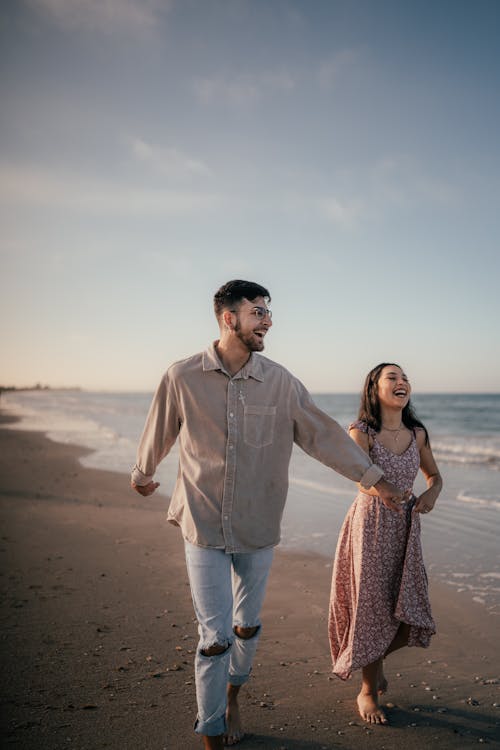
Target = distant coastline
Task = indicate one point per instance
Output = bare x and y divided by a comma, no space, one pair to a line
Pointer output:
37,387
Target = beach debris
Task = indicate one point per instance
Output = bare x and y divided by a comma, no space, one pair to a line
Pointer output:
472,701
103,629
389,705
175,668
491,681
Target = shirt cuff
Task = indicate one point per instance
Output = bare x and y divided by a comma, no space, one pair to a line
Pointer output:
139,478
371,476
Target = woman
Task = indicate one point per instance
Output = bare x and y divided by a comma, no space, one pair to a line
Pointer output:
379,600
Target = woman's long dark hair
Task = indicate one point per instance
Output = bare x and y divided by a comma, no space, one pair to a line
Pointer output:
369,408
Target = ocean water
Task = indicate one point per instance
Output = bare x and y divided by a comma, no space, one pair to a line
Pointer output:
460,537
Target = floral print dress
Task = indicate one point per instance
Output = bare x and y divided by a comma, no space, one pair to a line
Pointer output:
379,578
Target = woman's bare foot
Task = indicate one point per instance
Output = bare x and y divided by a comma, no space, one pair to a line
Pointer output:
213,743
382,683
369,710
234,731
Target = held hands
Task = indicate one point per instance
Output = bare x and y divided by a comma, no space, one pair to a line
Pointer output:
390,495
146,489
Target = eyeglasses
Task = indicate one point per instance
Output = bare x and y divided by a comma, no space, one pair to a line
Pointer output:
259,312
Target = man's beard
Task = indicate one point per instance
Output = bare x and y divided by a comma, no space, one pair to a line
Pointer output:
252,343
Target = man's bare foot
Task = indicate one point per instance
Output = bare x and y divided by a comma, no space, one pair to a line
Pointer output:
234,731
382,683
369,710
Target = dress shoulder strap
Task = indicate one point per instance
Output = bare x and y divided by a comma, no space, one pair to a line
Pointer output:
358,425
362,427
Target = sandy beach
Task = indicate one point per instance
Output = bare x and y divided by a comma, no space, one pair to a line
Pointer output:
98,632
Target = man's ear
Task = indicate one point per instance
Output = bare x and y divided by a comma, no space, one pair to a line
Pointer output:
227,319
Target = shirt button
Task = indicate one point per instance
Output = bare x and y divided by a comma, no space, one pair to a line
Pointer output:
230,447
231,414
225,518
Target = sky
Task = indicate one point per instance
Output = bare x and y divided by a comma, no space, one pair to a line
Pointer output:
344,153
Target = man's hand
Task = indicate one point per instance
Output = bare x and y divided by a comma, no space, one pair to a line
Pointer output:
146,489
390,495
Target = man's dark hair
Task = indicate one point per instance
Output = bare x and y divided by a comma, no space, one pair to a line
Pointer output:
232,293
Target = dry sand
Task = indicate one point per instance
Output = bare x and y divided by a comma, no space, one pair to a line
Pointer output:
98,632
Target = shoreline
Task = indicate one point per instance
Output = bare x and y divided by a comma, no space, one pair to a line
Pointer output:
99,632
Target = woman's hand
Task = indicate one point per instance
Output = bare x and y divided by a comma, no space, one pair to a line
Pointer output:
425,502
389,495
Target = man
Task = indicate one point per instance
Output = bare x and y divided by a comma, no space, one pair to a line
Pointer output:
236,415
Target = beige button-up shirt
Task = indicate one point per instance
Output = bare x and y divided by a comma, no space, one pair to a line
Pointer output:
235,442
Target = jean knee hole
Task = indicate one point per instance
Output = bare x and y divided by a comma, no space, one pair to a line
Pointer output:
255,631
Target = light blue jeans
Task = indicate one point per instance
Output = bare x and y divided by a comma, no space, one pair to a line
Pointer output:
227,591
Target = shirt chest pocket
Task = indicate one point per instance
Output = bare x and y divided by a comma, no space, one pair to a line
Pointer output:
258,427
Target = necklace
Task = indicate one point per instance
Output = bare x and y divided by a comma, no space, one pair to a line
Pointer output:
396,430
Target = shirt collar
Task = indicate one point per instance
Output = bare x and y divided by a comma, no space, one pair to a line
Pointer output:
252,369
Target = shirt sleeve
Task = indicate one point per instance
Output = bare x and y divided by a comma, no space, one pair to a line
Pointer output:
324,439
160,432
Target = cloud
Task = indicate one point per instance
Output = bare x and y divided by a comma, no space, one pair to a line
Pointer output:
399,181
377,192
170,162
103,15
243,89
24,187
336,66
345,212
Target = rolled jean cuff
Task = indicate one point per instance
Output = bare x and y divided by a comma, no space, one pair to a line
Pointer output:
238,679
210,728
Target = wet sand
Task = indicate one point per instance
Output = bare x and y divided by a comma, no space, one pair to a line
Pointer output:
98,632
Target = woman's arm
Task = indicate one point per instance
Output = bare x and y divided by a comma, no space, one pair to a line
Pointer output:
428,466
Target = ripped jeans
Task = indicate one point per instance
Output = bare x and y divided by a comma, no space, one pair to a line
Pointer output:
227,591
